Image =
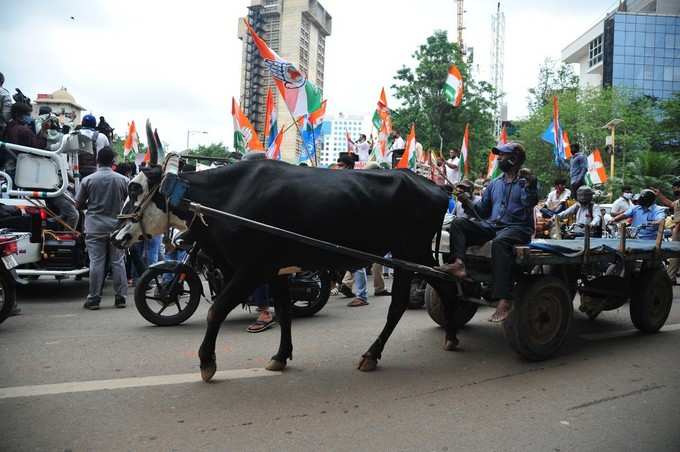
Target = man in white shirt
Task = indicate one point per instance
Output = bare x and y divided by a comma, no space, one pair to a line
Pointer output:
623,202
557,199
452,170
362,148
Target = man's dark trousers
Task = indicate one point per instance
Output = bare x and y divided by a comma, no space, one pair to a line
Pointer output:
464,233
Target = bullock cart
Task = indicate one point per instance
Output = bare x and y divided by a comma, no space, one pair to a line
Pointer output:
606,273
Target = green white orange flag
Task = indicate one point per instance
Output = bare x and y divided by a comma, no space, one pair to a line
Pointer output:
245,137
131,143
382,113
299,94
408,159
464,154
492,169
274,151
596,173
453,88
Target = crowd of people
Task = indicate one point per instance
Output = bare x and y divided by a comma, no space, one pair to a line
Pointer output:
506,210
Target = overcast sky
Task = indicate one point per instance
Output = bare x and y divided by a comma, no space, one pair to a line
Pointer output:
178,62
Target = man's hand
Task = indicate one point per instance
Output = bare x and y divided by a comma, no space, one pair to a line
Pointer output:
526,178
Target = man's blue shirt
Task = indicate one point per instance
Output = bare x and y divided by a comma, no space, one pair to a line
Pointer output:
578,168
644,215
508,204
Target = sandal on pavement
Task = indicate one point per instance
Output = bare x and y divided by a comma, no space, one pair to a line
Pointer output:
260,325
357,302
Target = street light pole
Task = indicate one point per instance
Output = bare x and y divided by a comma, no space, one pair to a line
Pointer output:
190,132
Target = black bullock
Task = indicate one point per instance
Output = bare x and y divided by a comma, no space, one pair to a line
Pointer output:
374,211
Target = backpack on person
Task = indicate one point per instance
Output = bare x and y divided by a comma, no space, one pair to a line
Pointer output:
87,153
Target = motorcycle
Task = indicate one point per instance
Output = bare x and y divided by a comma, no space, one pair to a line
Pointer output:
169,292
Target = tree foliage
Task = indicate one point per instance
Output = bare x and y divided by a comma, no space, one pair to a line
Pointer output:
553,79
419,91
647,140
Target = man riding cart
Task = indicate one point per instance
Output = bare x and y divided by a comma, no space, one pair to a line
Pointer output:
504,216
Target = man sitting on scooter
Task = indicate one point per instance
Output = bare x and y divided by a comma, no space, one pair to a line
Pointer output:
505,216
584,212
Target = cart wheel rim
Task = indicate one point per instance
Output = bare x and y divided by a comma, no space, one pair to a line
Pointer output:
657,308
544,317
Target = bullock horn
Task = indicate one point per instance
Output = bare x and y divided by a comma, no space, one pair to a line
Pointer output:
159,145
151,140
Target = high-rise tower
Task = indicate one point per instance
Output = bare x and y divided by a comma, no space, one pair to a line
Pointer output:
296,30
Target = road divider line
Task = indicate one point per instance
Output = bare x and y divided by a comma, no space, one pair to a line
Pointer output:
623,333
126,383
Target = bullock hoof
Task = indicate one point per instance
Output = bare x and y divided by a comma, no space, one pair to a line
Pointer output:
368,364
451,345
276,366
208,371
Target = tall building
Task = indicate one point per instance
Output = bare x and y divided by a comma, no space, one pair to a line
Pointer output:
296,30
636,46
335,141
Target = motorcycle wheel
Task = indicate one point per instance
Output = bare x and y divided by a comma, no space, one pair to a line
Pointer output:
8,294
304,308
161,308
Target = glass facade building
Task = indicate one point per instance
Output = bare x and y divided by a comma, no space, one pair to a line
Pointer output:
641,52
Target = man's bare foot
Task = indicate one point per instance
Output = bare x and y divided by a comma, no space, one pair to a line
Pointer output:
503,310
455,269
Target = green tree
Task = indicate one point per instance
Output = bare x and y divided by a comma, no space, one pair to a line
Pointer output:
553,79
419,91
212,150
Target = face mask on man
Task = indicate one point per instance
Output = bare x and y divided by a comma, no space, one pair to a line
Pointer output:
27,120
628,196
506,164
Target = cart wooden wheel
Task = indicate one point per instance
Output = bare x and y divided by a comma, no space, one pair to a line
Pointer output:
652,300
540,319
465,311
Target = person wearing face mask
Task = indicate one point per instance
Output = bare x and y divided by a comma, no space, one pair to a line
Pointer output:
623,202
673,264
584,211
505,217
646,215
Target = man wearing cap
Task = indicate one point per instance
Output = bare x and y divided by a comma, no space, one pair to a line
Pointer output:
646,215
505,214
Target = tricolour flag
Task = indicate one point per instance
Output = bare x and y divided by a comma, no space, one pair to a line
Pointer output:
464,154
299,94
408,159
245,137
131,143
270,120
453,88
492,169
316,117
596,172
382,113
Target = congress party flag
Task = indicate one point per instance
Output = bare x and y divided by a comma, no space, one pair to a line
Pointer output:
270,120
408,159
131,143
596,172
245,137
464,154
492,169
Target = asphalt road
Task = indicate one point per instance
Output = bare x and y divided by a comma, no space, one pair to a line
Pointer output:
609,389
